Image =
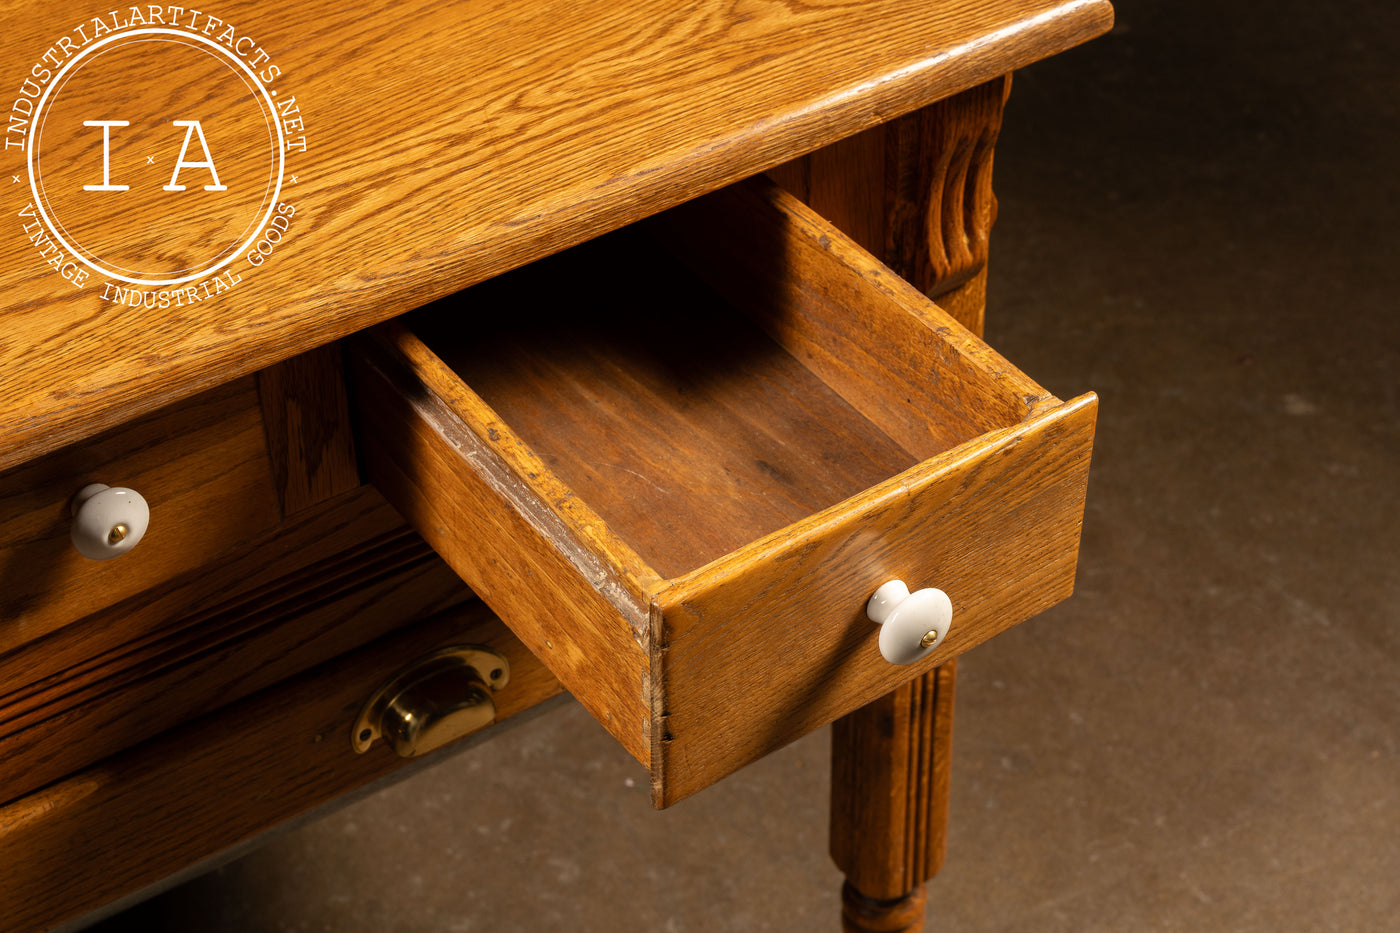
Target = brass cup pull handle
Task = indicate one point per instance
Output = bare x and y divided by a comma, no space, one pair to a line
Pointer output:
434,701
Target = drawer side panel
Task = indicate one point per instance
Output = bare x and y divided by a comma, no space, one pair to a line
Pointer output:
898,358
449,487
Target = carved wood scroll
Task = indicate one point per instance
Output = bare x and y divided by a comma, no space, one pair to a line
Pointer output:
917,192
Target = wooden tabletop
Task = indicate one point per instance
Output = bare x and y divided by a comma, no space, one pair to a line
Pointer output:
405,153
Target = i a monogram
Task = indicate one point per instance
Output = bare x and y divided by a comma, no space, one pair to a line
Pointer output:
193,129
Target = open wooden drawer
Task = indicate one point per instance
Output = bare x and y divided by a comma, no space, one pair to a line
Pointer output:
680,480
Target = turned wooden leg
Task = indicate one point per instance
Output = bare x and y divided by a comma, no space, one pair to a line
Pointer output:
861,914
916,192
890,765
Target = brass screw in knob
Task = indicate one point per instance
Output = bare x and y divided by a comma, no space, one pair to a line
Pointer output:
108,521
912,625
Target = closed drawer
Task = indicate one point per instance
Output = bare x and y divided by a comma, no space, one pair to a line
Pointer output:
218,782
203,468
679,474
220,598
335,577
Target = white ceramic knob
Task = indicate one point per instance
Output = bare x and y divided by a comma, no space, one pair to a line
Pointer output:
912,625
108,521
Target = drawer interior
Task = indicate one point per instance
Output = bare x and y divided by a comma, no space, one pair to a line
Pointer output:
663,404
677,461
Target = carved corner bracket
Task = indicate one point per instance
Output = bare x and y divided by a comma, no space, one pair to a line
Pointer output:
917,192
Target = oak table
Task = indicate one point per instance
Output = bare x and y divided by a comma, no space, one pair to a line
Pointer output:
407,367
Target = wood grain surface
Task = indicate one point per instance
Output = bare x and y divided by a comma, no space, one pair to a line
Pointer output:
890,760
761,647
207,639
898,358
571,591
686,428
917,193
202,467
138,817
768,640
309,438
353,523
445,143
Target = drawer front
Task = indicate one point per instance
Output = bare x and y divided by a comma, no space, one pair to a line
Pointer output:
197,791
337,577
766,645
221,597
685,517
203,468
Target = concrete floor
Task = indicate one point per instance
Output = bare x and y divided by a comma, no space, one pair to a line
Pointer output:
1197,219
